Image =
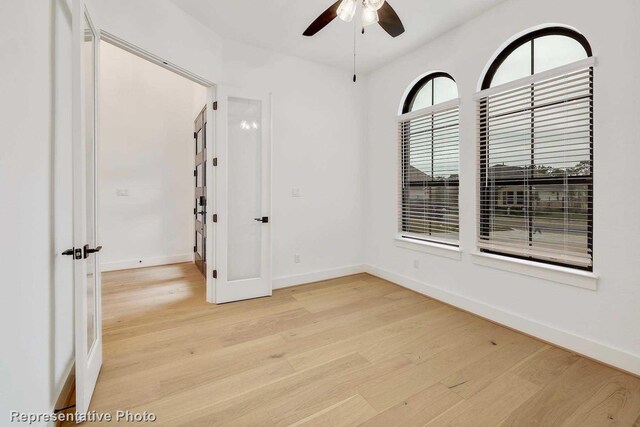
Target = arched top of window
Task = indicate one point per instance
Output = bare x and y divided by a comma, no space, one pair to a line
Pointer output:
536,52
430,90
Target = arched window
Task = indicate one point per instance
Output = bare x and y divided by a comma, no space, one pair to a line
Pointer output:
429,167
536,52
429,91
536,150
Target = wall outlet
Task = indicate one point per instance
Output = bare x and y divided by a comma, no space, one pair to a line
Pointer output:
295,192
296,258
416,263
122,192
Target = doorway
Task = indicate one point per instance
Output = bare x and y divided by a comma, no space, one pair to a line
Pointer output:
147,159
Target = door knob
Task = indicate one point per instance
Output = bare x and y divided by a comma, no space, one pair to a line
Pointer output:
263,220
88,250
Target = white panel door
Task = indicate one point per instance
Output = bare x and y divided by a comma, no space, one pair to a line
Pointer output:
243,200
87,304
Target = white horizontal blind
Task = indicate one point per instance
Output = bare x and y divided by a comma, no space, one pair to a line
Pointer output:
536,169
429,173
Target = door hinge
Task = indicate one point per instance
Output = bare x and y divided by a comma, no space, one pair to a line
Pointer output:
195,211
195,173
194,249
215,105
215,161
215,274
195,135
215,217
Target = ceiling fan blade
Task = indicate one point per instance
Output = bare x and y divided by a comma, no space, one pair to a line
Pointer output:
390,21
323,20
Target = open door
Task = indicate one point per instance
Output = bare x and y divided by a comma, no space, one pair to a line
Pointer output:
243,199
200,195
87,300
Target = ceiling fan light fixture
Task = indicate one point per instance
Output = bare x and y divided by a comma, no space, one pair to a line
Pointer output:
369,16
347,10
373,4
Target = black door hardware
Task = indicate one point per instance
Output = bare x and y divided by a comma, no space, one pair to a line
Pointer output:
263,220
75,253
88,251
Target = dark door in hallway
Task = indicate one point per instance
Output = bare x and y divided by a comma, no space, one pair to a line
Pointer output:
200,194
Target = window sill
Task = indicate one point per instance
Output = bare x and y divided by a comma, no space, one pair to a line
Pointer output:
451,252
564,275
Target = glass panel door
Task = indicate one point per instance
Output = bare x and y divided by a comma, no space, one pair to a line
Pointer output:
89,59
87,310
244,257
242,178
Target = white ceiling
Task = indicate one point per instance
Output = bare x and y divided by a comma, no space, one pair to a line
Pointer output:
278,25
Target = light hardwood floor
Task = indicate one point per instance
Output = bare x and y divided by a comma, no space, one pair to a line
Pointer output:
340,352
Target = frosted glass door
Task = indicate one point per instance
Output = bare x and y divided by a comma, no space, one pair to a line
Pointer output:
87,300
89,58
245,224
242,180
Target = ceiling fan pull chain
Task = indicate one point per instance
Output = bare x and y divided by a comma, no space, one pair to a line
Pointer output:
355,27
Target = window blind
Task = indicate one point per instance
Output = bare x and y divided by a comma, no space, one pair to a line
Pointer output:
429,173
536,167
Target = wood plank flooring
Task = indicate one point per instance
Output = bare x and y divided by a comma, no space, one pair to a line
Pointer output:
350,351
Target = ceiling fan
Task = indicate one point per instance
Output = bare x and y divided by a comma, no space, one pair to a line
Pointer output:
373,11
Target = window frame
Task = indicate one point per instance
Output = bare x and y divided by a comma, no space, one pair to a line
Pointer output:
532,182
531,36
419,85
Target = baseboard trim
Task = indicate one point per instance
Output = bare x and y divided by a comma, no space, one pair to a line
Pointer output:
597,351
316,276
145,262
66,392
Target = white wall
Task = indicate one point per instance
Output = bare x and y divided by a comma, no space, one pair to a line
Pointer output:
602,323
147,150
36,316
